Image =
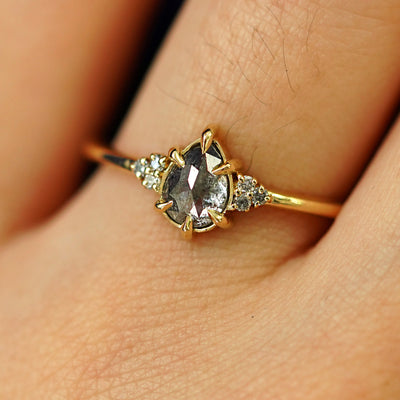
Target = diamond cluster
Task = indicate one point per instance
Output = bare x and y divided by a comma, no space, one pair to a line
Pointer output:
149,170
248,193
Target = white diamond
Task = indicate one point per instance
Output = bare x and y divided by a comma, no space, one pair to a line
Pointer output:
151,181
140,167
156,162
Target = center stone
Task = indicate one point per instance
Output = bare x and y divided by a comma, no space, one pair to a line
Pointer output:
194,189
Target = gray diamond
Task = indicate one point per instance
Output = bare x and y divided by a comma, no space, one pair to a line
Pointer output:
242,202
246,184
260,196
194,189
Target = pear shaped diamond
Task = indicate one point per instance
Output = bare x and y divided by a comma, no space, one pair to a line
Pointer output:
194,189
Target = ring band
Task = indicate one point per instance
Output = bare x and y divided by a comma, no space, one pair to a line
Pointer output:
198,185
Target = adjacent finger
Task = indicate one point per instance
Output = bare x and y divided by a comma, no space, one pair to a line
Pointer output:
63,65
353,276
124,270
365,239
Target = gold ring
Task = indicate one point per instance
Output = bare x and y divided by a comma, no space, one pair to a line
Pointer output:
198,185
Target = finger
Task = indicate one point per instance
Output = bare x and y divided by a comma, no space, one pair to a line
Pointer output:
283,85
352,277
366,236
63,65
139,295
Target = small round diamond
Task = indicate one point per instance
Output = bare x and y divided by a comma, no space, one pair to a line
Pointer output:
246,184
140,167
151,181
260,196
157,162
242,202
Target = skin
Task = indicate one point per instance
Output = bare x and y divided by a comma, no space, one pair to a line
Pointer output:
102,300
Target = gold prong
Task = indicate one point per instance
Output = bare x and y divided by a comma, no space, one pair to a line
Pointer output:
163,206
163,161
176,156
218,218
227,167
128,164
206,140
187,228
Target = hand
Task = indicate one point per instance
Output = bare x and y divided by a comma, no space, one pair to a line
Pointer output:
101,299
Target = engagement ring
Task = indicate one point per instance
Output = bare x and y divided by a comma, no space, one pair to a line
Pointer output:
199,185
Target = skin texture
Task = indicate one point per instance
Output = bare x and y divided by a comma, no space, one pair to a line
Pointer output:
104,301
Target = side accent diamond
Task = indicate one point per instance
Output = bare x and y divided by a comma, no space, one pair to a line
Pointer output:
242,202
149,170
140,167
246,184
248,192
260,196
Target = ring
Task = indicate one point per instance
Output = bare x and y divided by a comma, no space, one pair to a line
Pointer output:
199,185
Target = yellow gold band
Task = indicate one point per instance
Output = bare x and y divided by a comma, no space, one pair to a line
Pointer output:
321,208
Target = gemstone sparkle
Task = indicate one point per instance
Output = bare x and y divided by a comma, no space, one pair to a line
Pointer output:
194,189
140,167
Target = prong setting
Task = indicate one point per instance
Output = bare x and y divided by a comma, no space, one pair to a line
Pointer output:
139,167
206,140
194,188
158,162
248,193
152,179
218,218
163,206
176,157
228,167
246,183
242,202
260,196
187,228
150,170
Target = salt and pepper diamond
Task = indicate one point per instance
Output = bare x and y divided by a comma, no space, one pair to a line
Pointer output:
194,190
149,170
260,196
242,202
198,187
246,184
247,192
